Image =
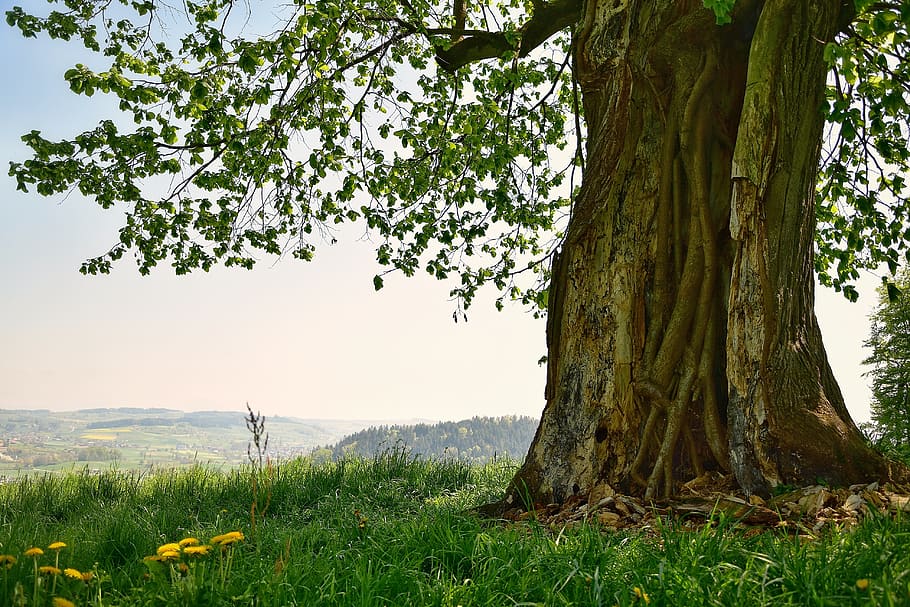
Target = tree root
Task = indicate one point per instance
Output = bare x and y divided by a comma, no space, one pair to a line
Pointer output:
687,350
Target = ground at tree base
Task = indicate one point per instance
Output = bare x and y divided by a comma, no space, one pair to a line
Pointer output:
806,511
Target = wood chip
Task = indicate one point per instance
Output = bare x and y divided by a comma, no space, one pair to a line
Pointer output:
610,519
854,503
803,512
899,503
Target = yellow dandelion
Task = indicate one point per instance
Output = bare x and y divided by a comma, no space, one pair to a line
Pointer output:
169,555
641,594
188,541
33,551
57,546
862,584
87,576
183,568
7,560
153,558
49,570
59,601
197,550
173,547
228,538
73,573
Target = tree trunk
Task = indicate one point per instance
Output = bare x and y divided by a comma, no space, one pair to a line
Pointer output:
681,331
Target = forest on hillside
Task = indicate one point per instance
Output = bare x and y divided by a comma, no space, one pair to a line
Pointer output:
477,440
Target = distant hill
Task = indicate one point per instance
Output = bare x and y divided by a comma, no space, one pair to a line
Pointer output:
476,440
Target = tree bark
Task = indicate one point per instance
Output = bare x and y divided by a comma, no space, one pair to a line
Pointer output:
681,331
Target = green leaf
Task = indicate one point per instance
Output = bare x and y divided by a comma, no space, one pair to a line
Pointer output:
722,9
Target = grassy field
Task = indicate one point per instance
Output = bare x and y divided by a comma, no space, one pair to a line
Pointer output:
394,531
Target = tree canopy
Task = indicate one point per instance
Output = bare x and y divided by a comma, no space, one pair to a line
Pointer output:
452,131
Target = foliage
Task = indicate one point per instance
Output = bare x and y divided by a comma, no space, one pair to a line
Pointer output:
722,9
392,530
475,440
260,130
863,211
272,140
890,344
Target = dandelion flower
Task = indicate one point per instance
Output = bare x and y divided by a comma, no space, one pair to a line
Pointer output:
49,570
73,573
153,558
56,546
228,538
87,576
862,584
34,551
62,602
197,550
170,555
188,541
173,547
641,594
7,560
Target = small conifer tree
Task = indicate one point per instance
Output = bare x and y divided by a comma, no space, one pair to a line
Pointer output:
890,360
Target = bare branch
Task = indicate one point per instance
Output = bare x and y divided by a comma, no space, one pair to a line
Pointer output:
547,20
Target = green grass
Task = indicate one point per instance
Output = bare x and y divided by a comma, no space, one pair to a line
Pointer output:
395,531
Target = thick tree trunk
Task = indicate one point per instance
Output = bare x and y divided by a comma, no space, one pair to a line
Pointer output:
681,330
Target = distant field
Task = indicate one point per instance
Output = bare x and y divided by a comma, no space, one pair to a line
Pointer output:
141,439
98,436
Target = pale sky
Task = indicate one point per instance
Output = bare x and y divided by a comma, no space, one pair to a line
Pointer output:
309,340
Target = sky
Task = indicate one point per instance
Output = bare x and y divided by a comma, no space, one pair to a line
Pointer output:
309,340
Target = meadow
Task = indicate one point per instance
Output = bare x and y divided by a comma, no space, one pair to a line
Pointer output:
393,530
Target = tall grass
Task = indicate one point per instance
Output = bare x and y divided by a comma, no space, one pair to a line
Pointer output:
395,531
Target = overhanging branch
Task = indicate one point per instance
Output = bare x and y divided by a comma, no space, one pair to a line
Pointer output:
547,20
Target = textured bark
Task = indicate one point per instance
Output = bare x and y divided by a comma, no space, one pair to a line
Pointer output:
681,330
787,416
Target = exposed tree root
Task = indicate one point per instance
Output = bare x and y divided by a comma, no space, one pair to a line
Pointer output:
807,511
679,378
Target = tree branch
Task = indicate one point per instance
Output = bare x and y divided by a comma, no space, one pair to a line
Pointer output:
547,19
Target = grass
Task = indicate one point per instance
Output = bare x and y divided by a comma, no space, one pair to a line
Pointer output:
395,531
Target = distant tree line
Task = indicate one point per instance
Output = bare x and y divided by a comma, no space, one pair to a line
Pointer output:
476,440
129,421
198,419
97,454
29,456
